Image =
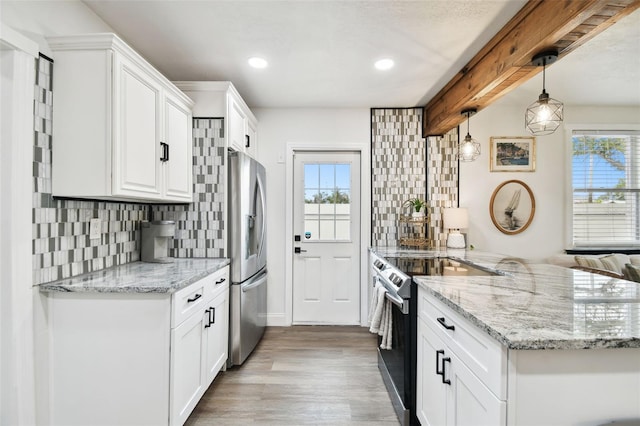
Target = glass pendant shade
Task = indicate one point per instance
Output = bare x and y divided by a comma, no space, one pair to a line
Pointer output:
469,149
544,116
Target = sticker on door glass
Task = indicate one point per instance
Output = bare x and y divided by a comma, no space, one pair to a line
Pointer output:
307,235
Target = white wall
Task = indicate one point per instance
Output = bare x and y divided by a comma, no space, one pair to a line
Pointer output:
546,235
278,128
40,19
24,395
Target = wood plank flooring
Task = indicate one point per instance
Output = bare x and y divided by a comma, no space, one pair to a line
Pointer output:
301,375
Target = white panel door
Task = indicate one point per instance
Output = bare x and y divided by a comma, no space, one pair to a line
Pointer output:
137,143
217,327
179,166
187,375
431,392
236,126
326,271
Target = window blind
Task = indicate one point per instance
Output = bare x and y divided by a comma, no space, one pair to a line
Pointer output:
606,188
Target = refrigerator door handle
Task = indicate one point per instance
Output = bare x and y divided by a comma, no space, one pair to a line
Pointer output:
258,281
262,219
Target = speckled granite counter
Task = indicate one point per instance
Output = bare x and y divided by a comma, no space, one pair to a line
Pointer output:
139,277
536,306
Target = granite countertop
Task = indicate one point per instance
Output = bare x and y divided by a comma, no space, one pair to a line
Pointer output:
139,277
534,305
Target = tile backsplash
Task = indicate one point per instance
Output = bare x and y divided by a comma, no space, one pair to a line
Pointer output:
200,225
403,166
61,247
398,168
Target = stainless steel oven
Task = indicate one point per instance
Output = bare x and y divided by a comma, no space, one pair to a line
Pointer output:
398,364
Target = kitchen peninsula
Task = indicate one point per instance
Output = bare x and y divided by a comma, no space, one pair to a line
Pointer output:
530,344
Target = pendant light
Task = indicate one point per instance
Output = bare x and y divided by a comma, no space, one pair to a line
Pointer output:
469,149
544,116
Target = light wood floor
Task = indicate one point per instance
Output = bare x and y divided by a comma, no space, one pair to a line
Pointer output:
302,375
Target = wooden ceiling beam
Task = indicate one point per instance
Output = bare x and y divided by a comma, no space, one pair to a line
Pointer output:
505,62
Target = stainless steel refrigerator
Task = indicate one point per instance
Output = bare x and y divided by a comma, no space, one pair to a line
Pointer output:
248,253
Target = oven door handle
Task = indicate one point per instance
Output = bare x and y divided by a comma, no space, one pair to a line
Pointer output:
399,302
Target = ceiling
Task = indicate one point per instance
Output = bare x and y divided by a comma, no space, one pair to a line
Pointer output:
321,52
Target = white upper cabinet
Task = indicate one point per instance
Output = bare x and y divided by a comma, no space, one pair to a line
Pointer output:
121,130
220,99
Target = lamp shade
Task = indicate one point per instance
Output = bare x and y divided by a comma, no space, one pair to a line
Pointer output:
455,218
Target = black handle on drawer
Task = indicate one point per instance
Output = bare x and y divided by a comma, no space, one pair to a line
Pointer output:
445,381
220,281
438,353
194,298
208,318
442,322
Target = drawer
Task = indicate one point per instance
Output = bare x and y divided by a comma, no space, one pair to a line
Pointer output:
482,354
190,300
219,283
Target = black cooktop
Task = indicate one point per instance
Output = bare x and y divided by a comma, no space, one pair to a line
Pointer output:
413,266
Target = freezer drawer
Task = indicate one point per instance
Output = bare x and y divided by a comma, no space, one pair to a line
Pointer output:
248,317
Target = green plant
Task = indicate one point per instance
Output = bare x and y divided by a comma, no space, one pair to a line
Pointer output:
417,204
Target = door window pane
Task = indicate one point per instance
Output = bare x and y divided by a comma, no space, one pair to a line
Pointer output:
327,189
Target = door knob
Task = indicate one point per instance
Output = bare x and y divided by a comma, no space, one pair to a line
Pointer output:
299,250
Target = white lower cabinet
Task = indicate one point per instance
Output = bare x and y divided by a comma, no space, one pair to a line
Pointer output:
448,393
199,348
135,358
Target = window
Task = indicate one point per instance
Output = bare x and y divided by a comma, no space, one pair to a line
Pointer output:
606,185
327,208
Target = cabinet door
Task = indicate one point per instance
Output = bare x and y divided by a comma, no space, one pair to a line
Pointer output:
469,401
216,337
236,133
186,380
137,130
431,393
252,139
178,169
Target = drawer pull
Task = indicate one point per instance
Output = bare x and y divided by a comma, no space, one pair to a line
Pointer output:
194,298
438,371
445,381
220,281
442,322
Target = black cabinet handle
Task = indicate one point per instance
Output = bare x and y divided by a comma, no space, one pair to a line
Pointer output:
194,298
438,353
445,381
247,141
165,152
208,319
212,315
442,322
220,281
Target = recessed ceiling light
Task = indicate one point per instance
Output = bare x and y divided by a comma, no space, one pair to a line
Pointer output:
257,62
384,64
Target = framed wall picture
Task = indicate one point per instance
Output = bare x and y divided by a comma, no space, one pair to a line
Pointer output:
512,207
512,154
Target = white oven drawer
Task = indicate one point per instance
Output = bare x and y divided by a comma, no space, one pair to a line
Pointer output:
483,355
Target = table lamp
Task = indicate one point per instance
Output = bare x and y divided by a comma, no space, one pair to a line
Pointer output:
454,220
